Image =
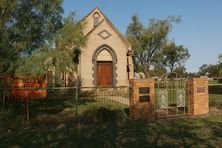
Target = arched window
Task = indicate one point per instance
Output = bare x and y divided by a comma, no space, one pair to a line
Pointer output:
96,17
104,55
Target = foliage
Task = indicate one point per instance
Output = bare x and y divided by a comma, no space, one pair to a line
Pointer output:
174,56
46,59
220,58
25,26
211,70
181,70
192,74
60,58
203,69
148,42
70,36
134,33
158,70
7,53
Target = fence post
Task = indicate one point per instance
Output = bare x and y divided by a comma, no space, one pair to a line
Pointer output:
76,101
27,110
198,97
142,99
3,105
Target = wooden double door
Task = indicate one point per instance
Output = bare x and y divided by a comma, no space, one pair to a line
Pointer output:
104,73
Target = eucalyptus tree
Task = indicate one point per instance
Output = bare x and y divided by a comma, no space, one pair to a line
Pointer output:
60,54
174,56
157,70
25,26
181,70
147,42
212,70
134,34
204,69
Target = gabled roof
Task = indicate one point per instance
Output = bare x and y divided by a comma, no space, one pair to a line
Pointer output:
109,23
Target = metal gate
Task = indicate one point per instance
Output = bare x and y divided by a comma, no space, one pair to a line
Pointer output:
172,96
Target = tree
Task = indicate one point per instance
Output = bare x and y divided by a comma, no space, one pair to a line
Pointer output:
134,33
220,65
212,70
7,54
204,69
61,54
158,70
147,42
192,74
25,26
70,37
174,56
181,70
209,70
220,58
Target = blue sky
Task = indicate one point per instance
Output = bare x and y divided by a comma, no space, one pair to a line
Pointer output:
200,30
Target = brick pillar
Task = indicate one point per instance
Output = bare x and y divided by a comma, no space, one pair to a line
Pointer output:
199,98
142,99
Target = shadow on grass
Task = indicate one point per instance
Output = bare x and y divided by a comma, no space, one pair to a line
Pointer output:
41,111
109,126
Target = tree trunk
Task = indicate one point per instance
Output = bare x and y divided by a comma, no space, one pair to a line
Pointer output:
146,71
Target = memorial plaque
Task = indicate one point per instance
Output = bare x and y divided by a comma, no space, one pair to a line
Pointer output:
201,89
144,90
145,98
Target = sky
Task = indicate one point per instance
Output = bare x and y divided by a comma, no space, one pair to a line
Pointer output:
200,29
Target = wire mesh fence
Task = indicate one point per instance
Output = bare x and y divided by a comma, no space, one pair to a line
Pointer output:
53,106
215,96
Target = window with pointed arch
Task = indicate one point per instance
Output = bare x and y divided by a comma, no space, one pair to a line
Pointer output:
96,17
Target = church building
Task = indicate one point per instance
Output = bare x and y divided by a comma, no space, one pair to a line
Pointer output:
106,60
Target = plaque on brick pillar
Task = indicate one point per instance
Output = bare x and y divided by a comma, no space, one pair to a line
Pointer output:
201,89
142,99
144,90
144,94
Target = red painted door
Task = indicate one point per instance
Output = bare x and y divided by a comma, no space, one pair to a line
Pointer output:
104,74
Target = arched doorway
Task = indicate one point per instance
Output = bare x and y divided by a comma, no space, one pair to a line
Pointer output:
104,62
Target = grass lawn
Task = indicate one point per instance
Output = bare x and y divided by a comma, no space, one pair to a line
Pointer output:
215,100
215,97
211,82
105,124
